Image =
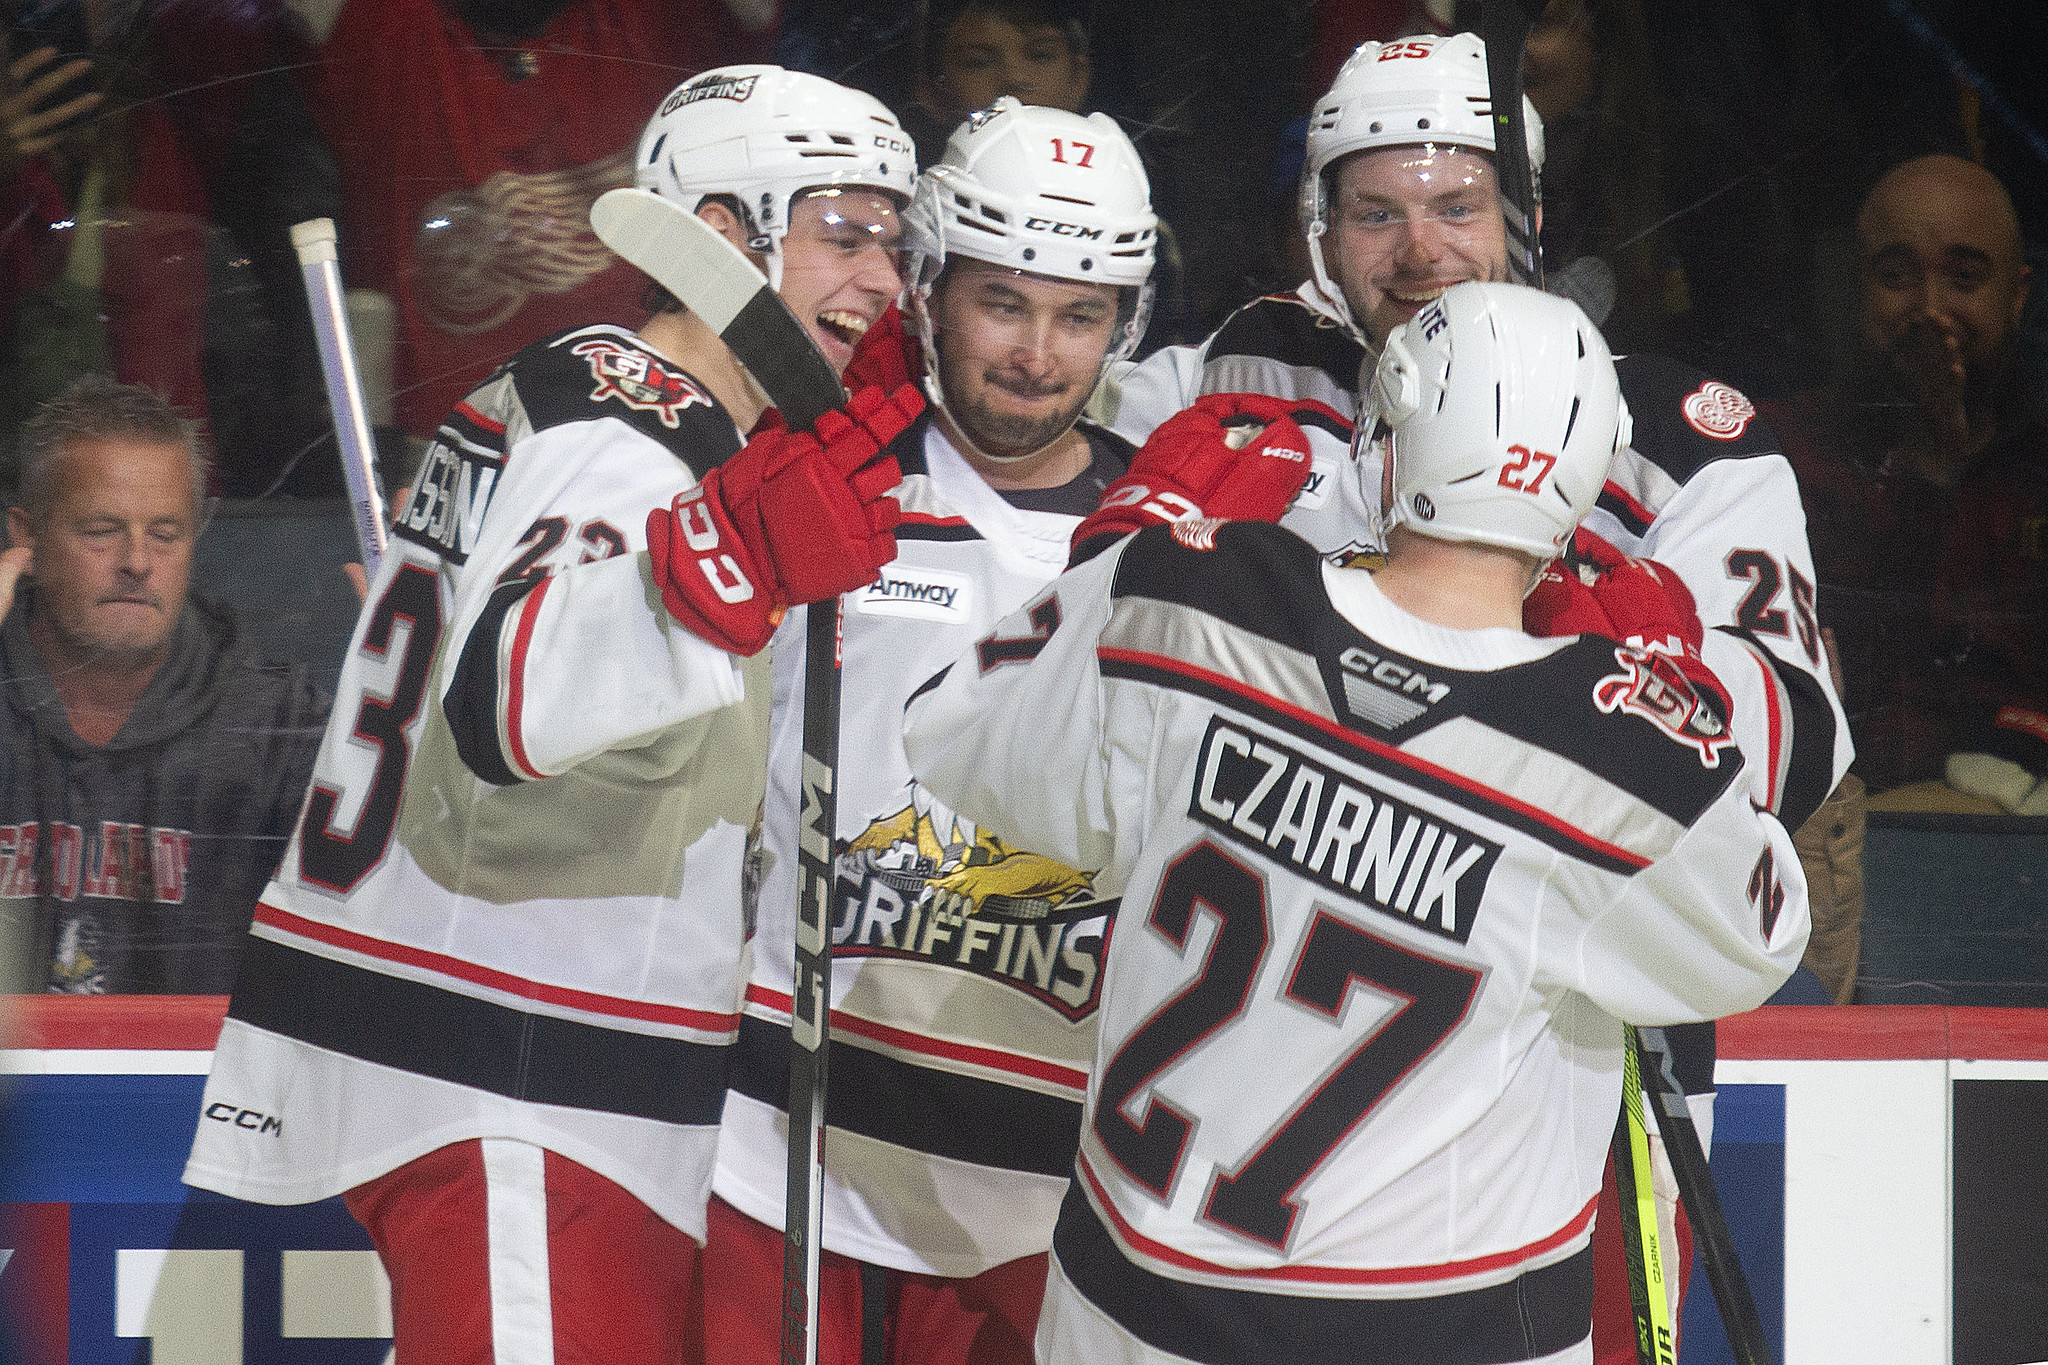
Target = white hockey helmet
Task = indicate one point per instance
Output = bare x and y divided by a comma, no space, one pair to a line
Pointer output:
1038,190
1501,414
1398,94
764,135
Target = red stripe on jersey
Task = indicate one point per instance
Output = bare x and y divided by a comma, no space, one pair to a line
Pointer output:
469,413
933,1047
1327,1274
515,681
1626,499
1323,409
1380,750
927,519
589,1002
1774,709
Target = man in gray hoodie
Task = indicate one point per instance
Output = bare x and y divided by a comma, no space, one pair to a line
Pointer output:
150,766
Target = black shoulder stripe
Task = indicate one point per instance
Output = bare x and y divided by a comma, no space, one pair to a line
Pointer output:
1808,779
1323,420
1259,577
1685,420
935,530
1281,327
1624,511
471,706
593,372
928,685
908,447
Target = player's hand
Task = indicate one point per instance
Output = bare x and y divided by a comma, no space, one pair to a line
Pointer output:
2008,762
1231,456
794,517
886,357
39,106
1595,589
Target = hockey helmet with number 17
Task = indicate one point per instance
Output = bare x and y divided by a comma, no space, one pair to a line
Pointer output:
1501,414
764,135
1042,191
1399,94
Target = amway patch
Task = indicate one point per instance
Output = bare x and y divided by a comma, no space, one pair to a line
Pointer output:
918,593
1322,476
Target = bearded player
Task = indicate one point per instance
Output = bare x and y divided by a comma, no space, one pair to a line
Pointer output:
1392,873
1400,201
965,967
492,995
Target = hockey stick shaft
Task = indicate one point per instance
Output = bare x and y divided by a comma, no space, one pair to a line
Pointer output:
1504,25
318,263
1702,1203
1642,1245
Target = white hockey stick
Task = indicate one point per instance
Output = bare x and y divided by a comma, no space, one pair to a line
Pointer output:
314,241
710,276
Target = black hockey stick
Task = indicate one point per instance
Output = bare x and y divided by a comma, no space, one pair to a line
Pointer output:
1504,25
1702,1204
711,277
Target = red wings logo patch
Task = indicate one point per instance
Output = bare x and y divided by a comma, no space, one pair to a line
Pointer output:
1197,533
1718,412
638,380
1650,685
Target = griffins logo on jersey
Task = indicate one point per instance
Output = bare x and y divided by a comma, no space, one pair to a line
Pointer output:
1650,685
736,88
967,900
638,380
1368,847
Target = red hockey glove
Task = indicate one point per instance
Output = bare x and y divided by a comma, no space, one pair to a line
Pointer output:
1594,589
794,517
1199,463
886,357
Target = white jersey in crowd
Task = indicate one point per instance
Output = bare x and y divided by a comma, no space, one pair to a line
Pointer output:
512,907
1386,891
965,968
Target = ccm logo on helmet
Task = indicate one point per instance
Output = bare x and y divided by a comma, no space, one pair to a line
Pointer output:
892,144
1057,229
220,1111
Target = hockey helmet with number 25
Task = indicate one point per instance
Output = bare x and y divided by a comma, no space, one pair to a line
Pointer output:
1398,94
1038,190
764,135
1502,414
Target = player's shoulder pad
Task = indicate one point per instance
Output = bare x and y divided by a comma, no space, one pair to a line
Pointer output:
1610,711
588,373
1282,327
1254,575
1685,419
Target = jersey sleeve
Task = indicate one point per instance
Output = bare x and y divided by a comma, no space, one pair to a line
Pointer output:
1013,733
1134,398
561,648
1711,928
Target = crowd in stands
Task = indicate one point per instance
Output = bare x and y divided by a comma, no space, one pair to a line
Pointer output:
1832,207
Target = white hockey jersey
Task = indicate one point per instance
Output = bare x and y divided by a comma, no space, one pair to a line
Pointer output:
1386,891
511,908
1703,489
965,968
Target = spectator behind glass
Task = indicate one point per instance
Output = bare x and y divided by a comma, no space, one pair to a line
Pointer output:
149,174
150,767
473,137
1926,485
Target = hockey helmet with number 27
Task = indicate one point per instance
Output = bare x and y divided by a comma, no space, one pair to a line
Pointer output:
1399,94
1038,190
1501,414
764,135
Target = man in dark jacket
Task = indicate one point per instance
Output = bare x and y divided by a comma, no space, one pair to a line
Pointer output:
150,766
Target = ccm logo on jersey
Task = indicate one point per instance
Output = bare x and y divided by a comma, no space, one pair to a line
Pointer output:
1651,686
920,594
222,1111
1387,693
1368,847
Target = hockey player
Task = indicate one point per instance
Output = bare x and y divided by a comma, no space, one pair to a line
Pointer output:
965,967
492,993
1399,202
1391,873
